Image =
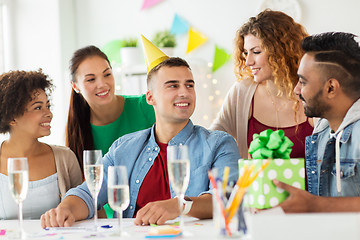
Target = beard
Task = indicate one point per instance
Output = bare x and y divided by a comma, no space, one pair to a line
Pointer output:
315,107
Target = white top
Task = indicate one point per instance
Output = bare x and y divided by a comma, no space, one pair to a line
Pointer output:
34,204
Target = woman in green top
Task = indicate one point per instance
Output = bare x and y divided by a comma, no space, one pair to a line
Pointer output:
97,117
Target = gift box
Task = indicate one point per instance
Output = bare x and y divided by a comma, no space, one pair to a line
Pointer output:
262,193
275,147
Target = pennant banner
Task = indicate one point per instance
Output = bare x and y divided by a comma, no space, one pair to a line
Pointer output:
179,25
196,39
149,3
220,58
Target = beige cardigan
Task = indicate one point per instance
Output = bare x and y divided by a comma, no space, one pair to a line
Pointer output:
233,117
67,168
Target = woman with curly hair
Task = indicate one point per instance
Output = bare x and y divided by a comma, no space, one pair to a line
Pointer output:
267,56
25,115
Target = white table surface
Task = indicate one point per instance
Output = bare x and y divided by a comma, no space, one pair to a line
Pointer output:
314,226
196,228
272,225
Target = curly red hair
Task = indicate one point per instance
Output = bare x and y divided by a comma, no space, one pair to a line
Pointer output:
281,40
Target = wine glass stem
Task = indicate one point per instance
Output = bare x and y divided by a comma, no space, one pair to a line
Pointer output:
95,208
21,218
120,221
181,220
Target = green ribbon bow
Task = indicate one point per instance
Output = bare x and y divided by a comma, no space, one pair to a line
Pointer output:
270,144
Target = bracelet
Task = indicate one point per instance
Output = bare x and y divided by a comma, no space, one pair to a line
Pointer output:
187,205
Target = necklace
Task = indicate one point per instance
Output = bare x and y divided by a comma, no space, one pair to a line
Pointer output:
274,104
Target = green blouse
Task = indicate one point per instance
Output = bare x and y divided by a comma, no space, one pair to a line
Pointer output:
137,115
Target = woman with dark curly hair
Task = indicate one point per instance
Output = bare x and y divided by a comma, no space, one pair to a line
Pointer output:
267,56
25,114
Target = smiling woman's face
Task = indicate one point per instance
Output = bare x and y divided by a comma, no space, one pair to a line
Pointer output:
95,81
257,59
37,117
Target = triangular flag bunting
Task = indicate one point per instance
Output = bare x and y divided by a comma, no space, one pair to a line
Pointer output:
196,39
149,3
220,58
179,25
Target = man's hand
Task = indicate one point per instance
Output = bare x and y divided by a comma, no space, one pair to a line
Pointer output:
298,200
158,212
57,217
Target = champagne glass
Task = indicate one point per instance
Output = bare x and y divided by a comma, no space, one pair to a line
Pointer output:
18,172
93,171
179,173
118,191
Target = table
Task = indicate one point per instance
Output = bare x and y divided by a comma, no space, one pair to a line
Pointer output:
197,229
314,226
270,225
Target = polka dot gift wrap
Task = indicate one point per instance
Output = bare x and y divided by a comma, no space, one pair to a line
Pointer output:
263,193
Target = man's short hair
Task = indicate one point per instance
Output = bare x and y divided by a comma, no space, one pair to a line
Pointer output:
170,62
339,56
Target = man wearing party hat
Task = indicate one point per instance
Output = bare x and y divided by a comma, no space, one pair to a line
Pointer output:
171,91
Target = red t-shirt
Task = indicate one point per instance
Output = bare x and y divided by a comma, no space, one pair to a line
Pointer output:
155,186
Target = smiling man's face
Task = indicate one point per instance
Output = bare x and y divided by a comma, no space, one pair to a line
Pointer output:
310,87
173,94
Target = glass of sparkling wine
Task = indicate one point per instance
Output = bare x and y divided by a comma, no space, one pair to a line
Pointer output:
178,164
18,172
118,191
93,171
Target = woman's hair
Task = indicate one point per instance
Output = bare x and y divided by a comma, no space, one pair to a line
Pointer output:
78,130
17,89
281,40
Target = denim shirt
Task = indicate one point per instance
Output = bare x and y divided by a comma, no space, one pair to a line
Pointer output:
320,157
137,151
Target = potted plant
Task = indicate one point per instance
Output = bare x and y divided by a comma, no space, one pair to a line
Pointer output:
165,40
129,42
131,55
